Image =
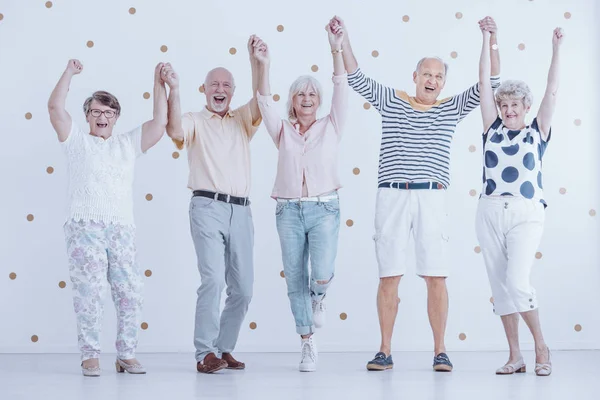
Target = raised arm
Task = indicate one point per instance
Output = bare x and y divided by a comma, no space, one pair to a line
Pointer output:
174,124
259,52
59,117
348,55
154,129
489,112
257,75
546,111
335,34
371,90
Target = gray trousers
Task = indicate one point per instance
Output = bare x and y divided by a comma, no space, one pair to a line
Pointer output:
223,236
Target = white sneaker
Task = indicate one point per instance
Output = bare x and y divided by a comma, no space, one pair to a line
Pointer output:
308,349
319,309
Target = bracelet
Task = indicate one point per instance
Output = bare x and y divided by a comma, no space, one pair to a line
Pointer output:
337,51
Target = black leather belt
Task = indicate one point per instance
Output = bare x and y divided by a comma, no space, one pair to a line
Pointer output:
240,201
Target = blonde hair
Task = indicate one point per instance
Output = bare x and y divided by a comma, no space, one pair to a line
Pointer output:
514,90
296,87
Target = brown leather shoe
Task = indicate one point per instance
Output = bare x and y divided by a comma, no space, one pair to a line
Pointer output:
232,363
210,364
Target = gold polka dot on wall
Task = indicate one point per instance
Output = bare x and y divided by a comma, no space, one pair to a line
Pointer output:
201,89
568,15
34,338
149,197
577,328
472,148
538,255
592,213
175,155
577,122
28,115
282,274
232,50
12,276
459,15
62,284
406,18
132,10
562,191
50,170
144,325
477,249
349,223
1,17
366,106
356,171
462,336
454,54
148,273
375,53
30,217
164,48
279,28
276,97
521,46
472,192
343,316
90,44
314,68
253,325
146,95
48,4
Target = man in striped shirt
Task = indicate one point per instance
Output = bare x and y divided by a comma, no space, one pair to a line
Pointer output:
414,171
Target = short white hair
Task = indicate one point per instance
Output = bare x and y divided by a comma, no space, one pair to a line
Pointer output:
422,60
514,90
305,81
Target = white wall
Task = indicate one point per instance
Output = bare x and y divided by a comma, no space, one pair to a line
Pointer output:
36,42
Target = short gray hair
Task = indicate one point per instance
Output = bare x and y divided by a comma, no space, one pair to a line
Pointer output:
514,90
104,98
422,60
298,85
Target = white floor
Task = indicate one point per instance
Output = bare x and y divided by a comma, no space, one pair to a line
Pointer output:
275,376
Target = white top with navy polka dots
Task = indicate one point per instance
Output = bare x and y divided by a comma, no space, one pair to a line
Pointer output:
512,161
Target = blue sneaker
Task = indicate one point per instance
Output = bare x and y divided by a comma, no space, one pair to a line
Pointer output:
441,362
380,362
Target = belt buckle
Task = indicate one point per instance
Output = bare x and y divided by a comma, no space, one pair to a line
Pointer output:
228,198
216,196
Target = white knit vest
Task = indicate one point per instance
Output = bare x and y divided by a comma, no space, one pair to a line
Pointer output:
101,175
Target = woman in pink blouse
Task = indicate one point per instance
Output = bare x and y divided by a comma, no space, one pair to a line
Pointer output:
307,213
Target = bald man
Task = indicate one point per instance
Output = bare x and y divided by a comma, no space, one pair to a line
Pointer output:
217,140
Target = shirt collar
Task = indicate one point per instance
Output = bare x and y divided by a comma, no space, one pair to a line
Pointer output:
206,114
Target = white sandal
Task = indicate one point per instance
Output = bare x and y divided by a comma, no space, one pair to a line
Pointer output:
544,369
509,369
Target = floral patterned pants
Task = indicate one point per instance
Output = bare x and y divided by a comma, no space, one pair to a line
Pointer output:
99,254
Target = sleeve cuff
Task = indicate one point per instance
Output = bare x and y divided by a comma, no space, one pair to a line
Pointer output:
342,78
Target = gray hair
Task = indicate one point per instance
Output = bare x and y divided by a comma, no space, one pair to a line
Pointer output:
104,98
422,60
298,85
514,90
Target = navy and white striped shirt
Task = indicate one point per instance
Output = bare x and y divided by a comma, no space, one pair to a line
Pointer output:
415,142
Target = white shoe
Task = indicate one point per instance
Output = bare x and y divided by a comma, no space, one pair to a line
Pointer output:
319,309
309,354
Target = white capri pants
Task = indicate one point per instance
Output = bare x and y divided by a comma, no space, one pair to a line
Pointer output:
509,230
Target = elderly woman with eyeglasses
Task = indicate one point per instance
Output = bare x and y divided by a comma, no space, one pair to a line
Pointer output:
99,227
308,211
510,214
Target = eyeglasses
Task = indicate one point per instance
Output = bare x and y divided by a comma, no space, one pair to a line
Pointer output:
107,113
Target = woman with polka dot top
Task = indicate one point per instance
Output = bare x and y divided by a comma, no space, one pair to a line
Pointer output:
510,214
